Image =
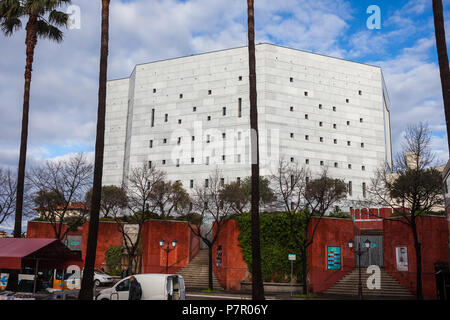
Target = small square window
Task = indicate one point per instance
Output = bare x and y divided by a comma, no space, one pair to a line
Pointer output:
179,140
238,179
149,164
362,144
363,168
191,184
306,93
292,159
193,138
335,141
347,100
306,137
181,96
209,118
164,162
240,78
307,161
334,108
154,90
208,138
151,143
320,106
292,135
209,92
178,163
165,140
166,117
223,157
224,135
224,111
291,108
360,92
194,109
192,160
361,120
348,123
334,126
349,143
321,139
335,164
320,124
291,79
349,166
306,116
321,163
179,121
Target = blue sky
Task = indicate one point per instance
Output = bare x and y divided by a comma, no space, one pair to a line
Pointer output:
64,87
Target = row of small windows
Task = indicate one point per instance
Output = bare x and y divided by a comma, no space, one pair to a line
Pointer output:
208,139
291,79
207,162
335,141
194,109
336,164
209,90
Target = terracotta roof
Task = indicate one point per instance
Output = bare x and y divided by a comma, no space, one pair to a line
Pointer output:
71,206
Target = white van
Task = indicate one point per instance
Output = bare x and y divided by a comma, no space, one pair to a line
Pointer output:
154,286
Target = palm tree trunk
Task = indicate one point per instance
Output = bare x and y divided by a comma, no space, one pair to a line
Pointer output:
87,285
30,42
441,45
257,283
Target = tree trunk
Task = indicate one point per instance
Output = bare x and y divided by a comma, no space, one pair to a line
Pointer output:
257,283
30,42
441,45
87,285
210,267
130,263
304,270
418,248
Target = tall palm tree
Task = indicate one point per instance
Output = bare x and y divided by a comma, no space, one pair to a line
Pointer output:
43,21
441,45
257,284
87,284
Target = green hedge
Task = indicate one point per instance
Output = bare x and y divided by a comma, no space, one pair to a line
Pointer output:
276,244
113,259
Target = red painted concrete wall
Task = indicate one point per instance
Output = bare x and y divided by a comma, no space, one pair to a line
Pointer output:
154,258
108,235
370,219
233,269
39,229
335,233
433,235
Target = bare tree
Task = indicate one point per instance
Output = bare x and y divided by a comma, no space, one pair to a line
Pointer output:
210,207
59,189
414,189
238,194
305,203
141,183
8,185
169,197
114,200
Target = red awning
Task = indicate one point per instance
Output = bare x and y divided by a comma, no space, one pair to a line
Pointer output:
16,253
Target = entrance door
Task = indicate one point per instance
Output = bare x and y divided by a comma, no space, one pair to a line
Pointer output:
373,255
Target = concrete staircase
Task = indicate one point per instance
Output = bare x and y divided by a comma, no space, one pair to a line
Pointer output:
390,288
195,274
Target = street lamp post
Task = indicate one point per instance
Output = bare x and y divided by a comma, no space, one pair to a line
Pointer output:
359,251
167,249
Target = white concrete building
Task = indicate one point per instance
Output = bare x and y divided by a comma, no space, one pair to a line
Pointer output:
190,115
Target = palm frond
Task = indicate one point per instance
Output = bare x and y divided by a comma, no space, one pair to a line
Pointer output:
10,25
47,31
58,18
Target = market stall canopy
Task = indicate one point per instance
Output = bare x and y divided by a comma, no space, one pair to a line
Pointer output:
16,253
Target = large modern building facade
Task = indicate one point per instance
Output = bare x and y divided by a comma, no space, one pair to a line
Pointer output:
190,116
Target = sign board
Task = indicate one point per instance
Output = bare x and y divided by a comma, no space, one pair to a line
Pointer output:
292,257
402,258
73,243
334,258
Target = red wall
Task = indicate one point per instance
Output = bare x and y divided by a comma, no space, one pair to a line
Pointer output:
39,229
234,268
330,232
154,258
370,218
433,235
108,235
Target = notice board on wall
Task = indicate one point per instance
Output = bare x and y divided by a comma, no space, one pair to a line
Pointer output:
334,258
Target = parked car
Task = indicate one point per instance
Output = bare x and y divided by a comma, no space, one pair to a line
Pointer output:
101,278
154,287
